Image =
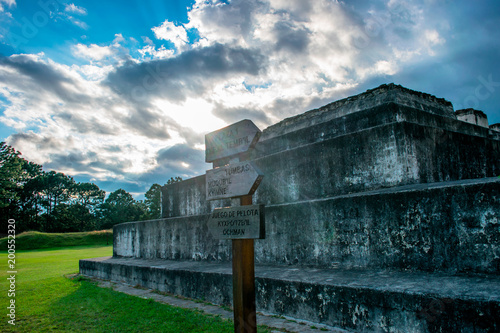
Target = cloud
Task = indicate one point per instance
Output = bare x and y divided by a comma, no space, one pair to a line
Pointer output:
148,123
72,8
9,3
22,71
173,33
92,51
154,53
179,160
136,114
224,22
178,153
78,23
235,114
291,38
190,73
39,141
147,40
68,14
90,126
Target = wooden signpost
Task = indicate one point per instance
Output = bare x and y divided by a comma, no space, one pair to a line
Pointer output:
231,140
233,180
241,224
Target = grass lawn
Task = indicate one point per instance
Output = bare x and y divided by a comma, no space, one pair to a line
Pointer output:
47,301
35,240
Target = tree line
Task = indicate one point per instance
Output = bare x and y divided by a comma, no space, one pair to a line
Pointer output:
54,202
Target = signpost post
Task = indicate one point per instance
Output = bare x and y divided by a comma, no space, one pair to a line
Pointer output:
245,314
240,224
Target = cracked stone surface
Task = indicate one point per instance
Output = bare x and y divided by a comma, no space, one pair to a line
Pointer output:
277,324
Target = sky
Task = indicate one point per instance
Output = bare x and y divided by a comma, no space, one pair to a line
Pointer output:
122,93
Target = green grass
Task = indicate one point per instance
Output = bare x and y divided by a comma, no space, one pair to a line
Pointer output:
47,301
32,240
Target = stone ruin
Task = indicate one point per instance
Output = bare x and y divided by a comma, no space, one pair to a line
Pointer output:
382,215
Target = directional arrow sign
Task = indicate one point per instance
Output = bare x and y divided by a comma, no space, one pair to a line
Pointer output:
231,140
233,180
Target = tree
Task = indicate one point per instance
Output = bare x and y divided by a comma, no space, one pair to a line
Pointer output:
31,198
174,180
15,175
71,218
153,202
85,200
52,201
10,174
57,188
89,195
120,207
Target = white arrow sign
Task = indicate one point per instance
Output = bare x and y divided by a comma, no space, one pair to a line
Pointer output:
231,140
233,180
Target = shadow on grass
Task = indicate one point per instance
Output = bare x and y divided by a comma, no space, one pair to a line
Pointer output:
93,309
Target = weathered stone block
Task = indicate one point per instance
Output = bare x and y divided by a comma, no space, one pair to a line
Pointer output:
386,146
449,226
360,300
472,116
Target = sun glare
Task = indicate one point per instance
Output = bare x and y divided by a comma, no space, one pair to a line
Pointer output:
193,113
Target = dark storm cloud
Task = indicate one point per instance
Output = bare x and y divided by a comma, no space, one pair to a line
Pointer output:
77,161
137,119
466,70
464,84
235,114
41,142
85,126
192,138
284,108
147,123
85,162
112,184
187,74
169,164
43,76
291,38
180,152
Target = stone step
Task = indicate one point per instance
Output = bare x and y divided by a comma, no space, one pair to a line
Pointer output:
360,300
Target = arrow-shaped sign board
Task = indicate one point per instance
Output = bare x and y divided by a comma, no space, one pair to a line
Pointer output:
231,140
233,180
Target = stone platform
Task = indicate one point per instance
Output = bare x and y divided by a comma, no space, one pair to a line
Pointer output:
382,215
449,227
362,300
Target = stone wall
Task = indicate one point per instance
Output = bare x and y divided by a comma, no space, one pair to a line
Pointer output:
389,178
472,116
387,146
449,227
